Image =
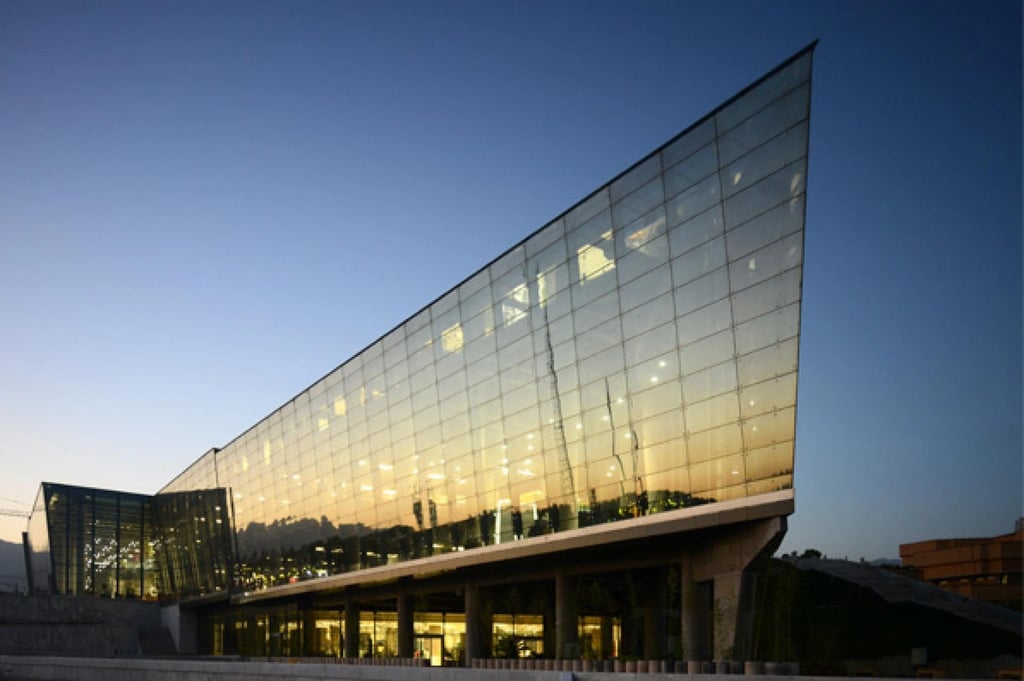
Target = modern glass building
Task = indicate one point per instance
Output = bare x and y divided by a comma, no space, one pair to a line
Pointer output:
611,398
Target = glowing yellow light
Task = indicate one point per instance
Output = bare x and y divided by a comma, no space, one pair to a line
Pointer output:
451,338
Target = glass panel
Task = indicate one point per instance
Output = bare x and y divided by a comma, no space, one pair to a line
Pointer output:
766,124
693,233
599,338
687,144
514,259
709,413
768,193
590,207
644,288
639,202
641,261
766,228
769,362
547,235
768,396
714,443
768,429
635,178
653,371
693,201
765,160
651,344
704,322
767,296
598,312
476,302
706,352
649,315
548,259
662,397
601,365
667,426
694,169
768,262
699,261
768,329
702,291
710,382
764,94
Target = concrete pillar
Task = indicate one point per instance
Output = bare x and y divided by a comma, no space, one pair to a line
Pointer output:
566,615
550,642
471,606
351,629
309,647
405,628
696,614
654,615
182,624
607,637
718,593
734,615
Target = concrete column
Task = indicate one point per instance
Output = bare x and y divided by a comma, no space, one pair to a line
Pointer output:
734,615
607,637
471,603
405,628
654,615
309,647
351,629
718,593
567,640
696,614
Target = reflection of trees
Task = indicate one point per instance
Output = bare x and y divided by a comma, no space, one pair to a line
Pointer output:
293,549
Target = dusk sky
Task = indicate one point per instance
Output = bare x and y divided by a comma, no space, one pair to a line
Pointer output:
205,207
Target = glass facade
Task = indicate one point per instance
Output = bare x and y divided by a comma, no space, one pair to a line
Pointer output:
121,545
637,355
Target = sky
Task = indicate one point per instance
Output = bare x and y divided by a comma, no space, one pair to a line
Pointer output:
205,207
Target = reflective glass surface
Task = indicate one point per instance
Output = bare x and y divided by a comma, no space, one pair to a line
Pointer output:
635,356
121,545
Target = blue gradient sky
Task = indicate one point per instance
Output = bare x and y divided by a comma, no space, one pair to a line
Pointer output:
204,207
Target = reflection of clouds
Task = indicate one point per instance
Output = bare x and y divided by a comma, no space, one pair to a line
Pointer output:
796,183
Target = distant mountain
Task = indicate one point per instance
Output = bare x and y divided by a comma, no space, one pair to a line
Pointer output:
12,567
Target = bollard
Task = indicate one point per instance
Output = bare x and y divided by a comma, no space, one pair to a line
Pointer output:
752,668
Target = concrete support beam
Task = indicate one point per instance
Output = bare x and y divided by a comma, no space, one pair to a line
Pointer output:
718,590
607,637
405,628
696,614
567,640
309,647
654,615
351,629
475,647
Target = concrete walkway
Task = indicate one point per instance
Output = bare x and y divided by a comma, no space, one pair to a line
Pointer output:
25,668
